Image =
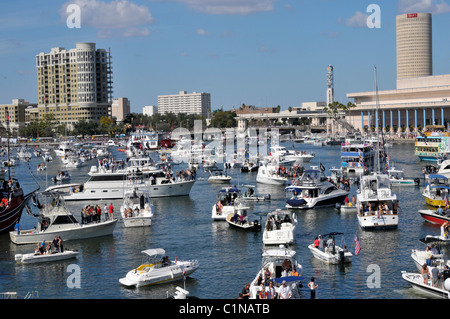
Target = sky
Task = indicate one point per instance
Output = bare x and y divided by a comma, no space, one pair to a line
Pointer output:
254,52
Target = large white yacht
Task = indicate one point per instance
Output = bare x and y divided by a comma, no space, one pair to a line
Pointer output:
106,183
313,189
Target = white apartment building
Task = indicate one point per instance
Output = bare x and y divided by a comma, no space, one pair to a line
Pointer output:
149,110
188,103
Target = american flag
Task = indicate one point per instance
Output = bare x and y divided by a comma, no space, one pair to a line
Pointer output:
357,245
446,201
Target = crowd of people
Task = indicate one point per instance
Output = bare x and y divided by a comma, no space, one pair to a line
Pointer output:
51,247
93,213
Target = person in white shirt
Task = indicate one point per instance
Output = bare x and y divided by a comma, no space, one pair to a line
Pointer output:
285,291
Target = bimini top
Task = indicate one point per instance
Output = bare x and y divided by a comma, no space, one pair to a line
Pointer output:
437,176
230,190
154,252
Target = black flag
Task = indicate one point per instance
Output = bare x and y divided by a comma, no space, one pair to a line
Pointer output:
322,168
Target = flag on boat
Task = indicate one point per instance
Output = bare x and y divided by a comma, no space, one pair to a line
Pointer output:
446,201
322,168
357,245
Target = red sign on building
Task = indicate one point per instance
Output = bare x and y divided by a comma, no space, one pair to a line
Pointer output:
411,15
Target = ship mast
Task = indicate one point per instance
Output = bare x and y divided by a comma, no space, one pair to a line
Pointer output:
377,128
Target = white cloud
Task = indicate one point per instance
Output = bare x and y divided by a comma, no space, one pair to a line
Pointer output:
242,7
358,20
118,16
427,6
202,32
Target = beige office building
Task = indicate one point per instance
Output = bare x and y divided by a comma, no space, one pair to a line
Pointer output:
187,103
120,108
414,45
16,112
73,84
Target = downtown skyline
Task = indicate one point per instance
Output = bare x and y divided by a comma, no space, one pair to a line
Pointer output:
262,53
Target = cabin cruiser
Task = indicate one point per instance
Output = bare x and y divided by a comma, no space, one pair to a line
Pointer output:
269,173
110,182
314,189
55,219
137,208
442,168
249,166
228,202
24,154
279,267
357,157
330,253
280,228
145,140
64,148
377,206
291,155
218,176
158,269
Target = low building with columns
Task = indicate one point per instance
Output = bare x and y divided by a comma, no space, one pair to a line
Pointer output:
416,103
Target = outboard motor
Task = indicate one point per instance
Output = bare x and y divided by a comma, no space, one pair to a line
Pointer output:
417,181
341,256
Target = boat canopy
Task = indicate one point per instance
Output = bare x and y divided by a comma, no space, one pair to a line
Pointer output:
438,176
440,186
230,190
154,252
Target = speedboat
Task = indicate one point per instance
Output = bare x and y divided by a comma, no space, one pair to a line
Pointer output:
158,269
39,258
251,196
313,189
397,178
441,290
47,157
55,219
433,216
219,177
71,161
269,173
282,267
377,205
62,176
249,167
24,154
280,228
437,259
331,254
228,202
137,208
239,219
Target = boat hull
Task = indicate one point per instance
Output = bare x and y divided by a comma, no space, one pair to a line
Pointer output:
33,258
316,202
389,221
330,258
416,281
118,191
432,217
13,212
85,231
158,276
137,221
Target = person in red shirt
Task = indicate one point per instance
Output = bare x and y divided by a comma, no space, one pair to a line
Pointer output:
316,242
111,211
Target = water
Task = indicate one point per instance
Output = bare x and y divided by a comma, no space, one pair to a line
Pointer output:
228,257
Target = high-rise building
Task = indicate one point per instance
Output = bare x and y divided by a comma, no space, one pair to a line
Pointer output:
74,84
414,45
120,108
187,103
149,110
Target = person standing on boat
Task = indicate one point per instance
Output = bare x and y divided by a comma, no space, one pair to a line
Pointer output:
270,291
60,244
56,244
425,274
17,228
105,211
111,211
312,287
285,291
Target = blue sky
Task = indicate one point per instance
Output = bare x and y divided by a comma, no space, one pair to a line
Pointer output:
257,52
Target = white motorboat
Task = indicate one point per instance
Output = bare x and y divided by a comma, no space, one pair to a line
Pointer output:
240,220
111,183
441,290
36,257
71,161
41,167
377,206
251,196
158,269
62,176
282,267
437,257
331,253
63,149
24,154
249,166
228,202
357,157
280,228
219,177
313,189
269,173
55,219
291,155
397,178
47,157
137,208
436,190
348,208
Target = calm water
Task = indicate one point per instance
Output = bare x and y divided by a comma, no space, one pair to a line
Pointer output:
228,257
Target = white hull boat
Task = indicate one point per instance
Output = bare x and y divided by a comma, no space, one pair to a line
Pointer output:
137,209
58,221
327,255
280,228
442,290
228,202
158,271
282,266
268,174
32,258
